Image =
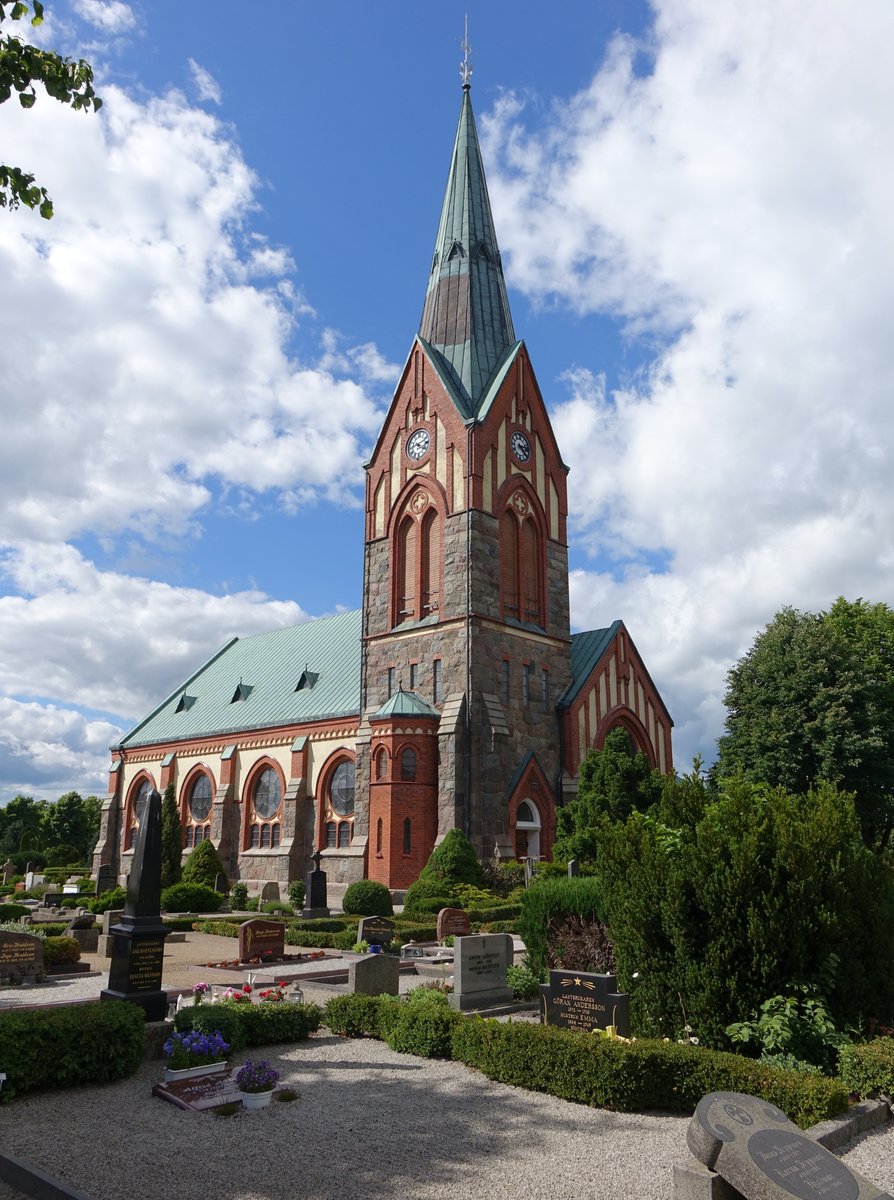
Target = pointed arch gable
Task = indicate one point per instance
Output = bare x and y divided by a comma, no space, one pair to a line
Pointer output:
530,784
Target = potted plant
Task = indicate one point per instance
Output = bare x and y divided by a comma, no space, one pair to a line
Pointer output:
194,1053
256,1082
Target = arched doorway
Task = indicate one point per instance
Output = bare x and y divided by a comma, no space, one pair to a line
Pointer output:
527,831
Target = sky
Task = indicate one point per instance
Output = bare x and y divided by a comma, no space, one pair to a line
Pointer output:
693,203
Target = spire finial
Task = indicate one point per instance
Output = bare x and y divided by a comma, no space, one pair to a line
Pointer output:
465,67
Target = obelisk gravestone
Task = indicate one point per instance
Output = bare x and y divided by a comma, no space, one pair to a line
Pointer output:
138,940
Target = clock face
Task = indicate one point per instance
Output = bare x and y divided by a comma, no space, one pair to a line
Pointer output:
521,447
417,446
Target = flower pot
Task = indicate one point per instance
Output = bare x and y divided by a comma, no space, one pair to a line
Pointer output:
256,1099
194,1072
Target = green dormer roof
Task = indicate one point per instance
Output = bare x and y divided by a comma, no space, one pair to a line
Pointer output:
405,704
466,320
308,672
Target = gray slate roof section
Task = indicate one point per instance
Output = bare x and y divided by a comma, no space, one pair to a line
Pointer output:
466,317
271,665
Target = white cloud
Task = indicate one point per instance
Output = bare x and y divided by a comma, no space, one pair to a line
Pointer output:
111,16
207,87
46,750
732,203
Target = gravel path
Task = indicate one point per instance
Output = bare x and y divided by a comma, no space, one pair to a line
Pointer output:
369,1123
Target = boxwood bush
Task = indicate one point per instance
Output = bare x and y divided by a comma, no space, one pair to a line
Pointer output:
69,1045
366,898
12,912
58,951
868,1068
243,1025
114,898
190,897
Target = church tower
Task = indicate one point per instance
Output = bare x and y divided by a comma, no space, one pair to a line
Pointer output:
466,636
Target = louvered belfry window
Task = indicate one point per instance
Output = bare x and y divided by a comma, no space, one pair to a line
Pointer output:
509,564
418,552
406,599
531,567
521,566
431,559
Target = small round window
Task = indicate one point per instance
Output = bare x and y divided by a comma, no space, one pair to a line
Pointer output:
200,799
341,789
268,794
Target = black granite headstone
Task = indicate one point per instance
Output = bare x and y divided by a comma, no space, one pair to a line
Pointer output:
138,940
105,879
378,931
220,883
315,898
578,1000
573,868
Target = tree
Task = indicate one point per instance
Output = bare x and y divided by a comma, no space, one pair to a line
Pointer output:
23,819
70,822
813,700
171,839
21,66
203,865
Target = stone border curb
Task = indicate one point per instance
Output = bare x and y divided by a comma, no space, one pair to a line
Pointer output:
33,1183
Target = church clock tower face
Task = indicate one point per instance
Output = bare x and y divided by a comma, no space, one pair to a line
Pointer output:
521,447
418,445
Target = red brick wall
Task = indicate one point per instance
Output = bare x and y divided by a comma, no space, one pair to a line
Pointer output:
394,800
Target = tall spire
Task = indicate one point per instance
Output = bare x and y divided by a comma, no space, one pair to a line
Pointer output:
466,316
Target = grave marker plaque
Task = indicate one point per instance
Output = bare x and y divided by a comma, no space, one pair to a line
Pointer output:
453,922
21,956
479,971
579,1000
105,879
261,939
755,1147
378,931
315,897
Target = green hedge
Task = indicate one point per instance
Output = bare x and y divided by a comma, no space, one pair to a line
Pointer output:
12,912
60,950
553,899
868,1068
47,928
190,896
218,928
69,1045
259,1024
498,912
322,925
179,924
581,1067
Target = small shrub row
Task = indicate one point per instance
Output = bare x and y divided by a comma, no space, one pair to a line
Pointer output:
322,925
243,1025
69,1045
868,1068
496,912
58,951
587,1069
47,929
179,924
113,898
218,928
12,912
498,927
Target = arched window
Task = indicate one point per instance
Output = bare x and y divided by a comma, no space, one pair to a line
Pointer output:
135,813
197,817
344,834
379,836
408,765
408,835
337,809
521,564
418,555
382,764
265,804
331,832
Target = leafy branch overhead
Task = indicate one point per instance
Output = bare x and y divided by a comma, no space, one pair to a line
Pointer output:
21,66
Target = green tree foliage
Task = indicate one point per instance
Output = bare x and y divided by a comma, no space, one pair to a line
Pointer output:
71,820
22,818
203,865
366,898
171,839
454,860
21,66
750,892
33,826
813,700
614,782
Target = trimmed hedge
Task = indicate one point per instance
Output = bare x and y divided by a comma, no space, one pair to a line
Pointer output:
69,1045
190,896
582,1067
218,928
868,1068
12,912
114,898
550,900
60,950
179,924
259,1024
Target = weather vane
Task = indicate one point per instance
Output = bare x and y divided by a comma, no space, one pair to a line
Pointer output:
465,67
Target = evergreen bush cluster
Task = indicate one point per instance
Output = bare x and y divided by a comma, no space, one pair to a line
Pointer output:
548,908
868,1069
450,864
238,896
366,898
12,912
188,896
203,865
69,1045
114,898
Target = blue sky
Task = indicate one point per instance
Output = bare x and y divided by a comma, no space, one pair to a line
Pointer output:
199,348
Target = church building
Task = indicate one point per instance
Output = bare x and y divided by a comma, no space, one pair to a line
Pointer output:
457,697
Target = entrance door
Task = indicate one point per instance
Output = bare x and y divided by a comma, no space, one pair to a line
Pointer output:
527,831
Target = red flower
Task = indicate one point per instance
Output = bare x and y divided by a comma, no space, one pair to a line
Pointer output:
246,987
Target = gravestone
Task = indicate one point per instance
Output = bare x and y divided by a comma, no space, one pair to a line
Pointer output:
377,931
52,899
138,940
412,950
453,922
578,1000
573,868
270,891
374,974
9,869
479,971
220,883
315,898
762,1155
21,957
261,939
83,929
105,879
110,918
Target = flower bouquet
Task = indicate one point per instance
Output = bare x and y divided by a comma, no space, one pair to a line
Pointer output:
198,992
195,1053
256,1082
274,995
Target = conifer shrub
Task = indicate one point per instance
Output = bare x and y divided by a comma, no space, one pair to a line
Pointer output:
238,896
424,1027
115,897
868,1069
561,926
69,1045
296,894
454,860
366,898
203,865
215,1018
428,895
190,897
352,1016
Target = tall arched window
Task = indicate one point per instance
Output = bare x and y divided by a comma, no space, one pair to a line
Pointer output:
265,809
521,564
418,555
382,763
197,817
408,764
337,794
135,810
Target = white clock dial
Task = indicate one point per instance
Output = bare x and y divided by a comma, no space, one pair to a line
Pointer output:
521,447
417,446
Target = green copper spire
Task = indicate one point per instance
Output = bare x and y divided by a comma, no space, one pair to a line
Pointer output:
466,317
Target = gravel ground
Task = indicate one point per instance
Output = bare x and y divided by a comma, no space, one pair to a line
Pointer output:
368,1123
